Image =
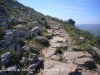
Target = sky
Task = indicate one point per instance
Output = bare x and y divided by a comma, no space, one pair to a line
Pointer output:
81,11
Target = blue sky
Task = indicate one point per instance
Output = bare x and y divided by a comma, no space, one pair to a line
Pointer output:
82,11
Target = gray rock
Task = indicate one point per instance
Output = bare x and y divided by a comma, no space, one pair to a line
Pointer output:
24,60
19,20
35,30
3,73
96,50
21,33
32,58
18,49
27,34
9,37
15,33
30,73
5,25
20,27
35,23
12,70
2,19
5,58
26,48
42,39
33,66
12,46
17,39
3,43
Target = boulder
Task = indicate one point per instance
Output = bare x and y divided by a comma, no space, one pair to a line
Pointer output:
27,35
35,30
26,48
12,46
33,66
19,20
35,23
32,58
21,33
20,27
55,57
12,70
3,72
58,68
42,39
77,57
5,25
18,49
9,37
17,39
15,33
24,60
3,43
5,58
30,73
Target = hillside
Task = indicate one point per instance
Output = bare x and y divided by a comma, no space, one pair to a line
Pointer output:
34,44
92,28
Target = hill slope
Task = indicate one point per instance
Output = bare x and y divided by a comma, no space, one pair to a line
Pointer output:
31,41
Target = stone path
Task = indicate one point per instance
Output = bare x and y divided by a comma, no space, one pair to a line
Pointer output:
68,62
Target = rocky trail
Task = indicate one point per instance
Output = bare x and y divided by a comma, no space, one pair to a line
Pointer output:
67,63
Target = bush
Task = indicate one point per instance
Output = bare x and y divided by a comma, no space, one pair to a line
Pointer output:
90,65
60,50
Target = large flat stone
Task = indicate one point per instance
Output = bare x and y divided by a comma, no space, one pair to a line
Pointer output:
48,52
58,68
77,57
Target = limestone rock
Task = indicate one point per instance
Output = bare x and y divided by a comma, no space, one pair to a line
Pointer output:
33,66
42,39
32,58
3,43
77,57
3,73
12,70
58,68
55,57
24,60
5,58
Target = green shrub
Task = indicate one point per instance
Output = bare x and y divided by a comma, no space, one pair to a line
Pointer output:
60,50
90,65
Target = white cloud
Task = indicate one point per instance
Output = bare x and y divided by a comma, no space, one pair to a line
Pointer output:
70,7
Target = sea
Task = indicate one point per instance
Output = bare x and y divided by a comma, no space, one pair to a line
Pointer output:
92,28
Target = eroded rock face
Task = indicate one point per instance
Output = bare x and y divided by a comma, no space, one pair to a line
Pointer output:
5,58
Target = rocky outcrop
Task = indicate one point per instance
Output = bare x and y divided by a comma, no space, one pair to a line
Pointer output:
42,39
32,58
24,60
3,43
5,58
